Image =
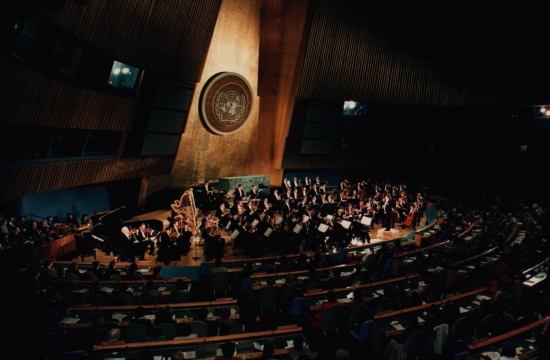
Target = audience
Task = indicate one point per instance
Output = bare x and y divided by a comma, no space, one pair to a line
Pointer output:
41,289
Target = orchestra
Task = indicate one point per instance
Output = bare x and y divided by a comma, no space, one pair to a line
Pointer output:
305,216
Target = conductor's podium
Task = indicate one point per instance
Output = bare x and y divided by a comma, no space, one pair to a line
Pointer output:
388,235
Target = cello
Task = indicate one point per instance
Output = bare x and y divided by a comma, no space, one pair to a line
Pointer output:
410,218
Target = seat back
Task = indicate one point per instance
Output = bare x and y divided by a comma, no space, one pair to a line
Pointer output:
135,333
312,285
490,323
100,336
219,280
375,276
235,328
53,319
199,327
53,344
457,329
358,279
169,330
388,266
460,356
67,300
72,276
413,344
126,298
182,297
331,318
246,287
96,300
297,306
369,261
268,298
364,333
204,270
384,305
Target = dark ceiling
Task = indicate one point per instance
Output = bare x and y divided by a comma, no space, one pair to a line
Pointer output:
500,45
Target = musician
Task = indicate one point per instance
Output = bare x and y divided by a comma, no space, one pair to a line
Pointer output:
238,207
183,240
165,246
341,186
412,215
388,212
48,230
86,221
254,193
286,184
314,191
239,194
213,244
303,193
72,221
33,232
208,196
303,205
276,198
307,181
221,213
286,206
233,222
142,235
295,184
265,205
322,189
127,245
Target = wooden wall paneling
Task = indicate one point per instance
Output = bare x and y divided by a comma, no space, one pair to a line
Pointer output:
345,60
31,98
17,181
168,36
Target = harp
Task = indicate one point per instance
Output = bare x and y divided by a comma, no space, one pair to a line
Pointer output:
186,210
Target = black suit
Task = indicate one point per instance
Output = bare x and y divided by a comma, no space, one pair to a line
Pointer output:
239,194
388,214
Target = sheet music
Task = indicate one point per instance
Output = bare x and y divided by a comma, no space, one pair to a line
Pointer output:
297,229
228,225
235,234
323,228
305,218
365,220
279,220
346,224
268,232
255,222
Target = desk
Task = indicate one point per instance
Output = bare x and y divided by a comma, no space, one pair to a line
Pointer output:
205,348
121,315
422,237
135,287
370,292
56,248
522,339
393,323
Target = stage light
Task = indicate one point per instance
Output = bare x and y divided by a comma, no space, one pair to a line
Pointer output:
116,71
125,71
543,109
547,113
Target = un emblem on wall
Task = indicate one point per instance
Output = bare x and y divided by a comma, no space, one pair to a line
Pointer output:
225,104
